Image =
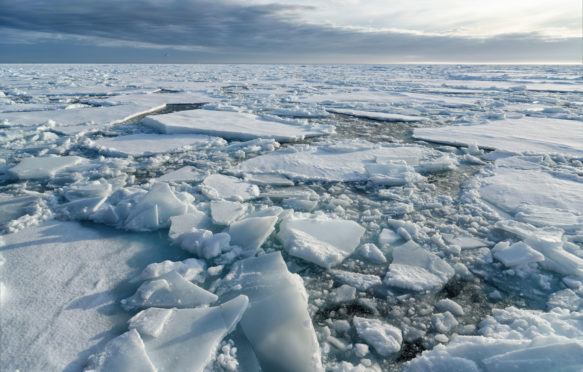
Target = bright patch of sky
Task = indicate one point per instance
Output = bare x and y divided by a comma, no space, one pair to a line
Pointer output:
555,19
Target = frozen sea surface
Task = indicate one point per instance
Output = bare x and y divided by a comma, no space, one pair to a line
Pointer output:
291,218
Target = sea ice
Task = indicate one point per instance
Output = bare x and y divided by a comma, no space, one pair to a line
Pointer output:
149,144
277,323
184,174
225,212
348,162
184,339
385,338
78,295
45,167
417,269
320,239
516,254
526,135
380,116
362,282
230,125
512,339
250,233
218,186
169,290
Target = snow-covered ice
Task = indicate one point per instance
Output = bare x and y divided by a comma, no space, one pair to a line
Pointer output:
230,125
525,135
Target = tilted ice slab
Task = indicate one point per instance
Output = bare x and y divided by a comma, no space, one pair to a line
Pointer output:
380,116
350,161
44,167
169,290
415,268
61,284
532,135
230,125
149,144
512,340
277,323
533,194
320,239
159,99
166,340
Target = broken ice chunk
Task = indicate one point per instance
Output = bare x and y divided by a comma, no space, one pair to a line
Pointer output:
154,210
277,323
320,240
388,237
417,269
343,294
187,223
225,212
251,233
516,254
184,174
451,306
189,338
150,322
218,186
44,167
362,282
125,353
169,290
443,322
372,253
385,338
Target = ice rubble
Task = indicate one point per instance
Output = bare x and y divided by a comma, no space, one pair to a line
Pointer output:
148,144
525,135
320,239
512,339
231,126
277,323
171,339
350,161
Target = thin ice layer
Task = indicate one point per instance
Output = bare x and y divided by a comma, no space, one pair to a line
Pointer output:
536,135
277,323
229,125
380,116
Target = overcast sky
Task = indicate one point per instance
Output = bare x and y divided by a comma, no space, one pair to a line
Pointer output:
295,31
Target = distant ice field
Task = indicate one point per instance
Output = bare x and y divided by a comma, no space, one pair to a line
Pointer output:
291,218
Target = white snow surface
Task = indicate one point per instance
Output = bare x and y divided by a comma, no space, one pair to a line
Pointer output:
525,135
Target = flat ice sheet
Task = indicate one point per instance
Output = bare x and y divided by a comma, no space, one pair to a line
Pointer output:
352,161
380,116
148,144
229,125
533,135
62,285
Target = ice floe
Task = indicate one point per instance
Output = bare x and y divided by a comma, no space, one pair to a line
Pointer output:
525,135
148,144
218,186
45,167
231,126
349,162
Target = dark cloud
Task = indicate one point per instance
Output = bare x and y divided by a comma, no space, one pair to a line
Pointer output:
271,33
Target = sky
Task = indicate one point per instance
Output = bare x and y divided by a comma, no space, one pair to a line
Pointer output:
291,31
